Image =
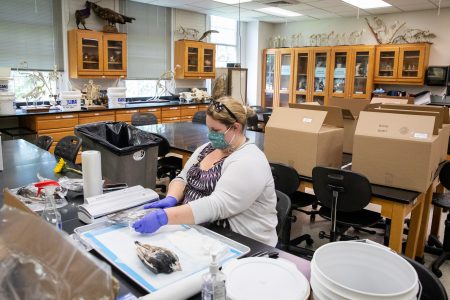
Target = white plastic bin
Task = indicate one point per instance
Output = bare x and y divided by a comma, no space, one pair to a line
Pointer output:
7,103
70,100
116,97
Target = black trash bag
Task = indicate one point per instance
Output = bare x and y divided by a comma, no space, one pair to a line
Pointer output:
118,137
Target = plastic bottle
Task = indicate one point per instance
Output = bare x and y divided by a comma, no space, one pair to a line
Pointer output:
50,213
213,287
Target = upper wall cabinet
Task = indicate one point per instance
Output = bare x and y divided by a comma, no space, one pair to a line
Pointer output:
402,64
351,73
196,59
278,68
97,54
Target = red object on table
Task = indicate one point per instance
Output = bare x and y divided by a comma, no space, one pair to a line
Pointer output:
42,184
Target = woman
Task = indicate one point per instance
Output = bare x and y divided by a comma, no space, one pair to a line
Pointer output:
227,180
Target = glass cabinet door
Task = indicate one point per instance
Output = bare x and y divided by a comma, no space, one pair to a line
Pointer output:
208,60
91,51
411,62
269,80
192,59
340,60
386,64
320,77
285,79
301,77
361,73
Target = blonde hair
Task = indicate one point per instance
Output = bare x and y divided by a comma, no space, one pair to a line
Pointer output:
240,111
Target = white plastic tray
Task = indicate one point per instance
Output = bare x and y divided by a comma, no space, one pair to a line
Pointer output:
116,244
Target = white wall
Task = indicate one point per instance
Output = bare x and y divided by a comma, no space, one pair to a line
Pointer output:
439,25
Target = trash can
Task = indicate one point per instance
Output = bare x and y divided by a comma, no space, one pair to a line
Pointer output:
129,155
19,133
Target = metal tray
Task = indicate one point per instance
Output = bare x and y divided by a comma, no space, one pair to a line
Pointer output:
113,242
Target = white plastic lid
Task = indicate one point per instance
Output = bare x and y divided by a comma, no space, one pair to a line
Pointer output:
265,279
116,89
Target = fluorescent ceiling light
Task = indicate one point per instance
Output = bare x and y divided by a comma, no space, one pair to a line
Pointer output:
233,1
365,4
276,11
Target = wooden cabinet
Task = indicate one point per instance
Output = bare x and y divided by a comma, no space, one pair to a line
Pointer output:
188,112
170,114
311,75
277,79
401,64
351,73
91,117
97,54
196,59
154,110
125,115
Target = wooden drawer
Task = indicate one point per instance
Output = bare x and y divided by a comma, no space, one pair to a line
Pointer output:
169,112
202,106
57,134
156,111
92,117
125,115
171,120
189,110
56,121
186,119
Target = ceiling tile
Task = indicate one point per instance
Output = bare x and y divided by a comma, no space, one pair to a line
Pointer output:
322,15
230,9
172,3
251,5
384,10
416,6
252,14
353,14
396,2
272,19
299,7
342,8
326,3
208,4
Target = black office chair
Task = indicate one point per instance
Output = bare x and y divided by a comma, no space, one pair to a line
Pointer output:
44,142
140,119
168,166
434,246
68,147
343,196
199,117
286,180
283,209
252,123
432,288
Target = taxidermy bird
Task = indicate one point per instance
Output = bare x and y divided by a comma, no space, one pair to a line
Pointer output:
109,15
82,14
206,33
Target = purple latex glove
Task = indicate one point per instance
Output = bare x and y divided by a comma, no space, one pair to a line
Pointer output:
151,221
167,202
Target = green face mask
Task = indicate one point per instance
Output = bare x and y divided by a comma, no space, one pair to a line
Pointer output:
217,139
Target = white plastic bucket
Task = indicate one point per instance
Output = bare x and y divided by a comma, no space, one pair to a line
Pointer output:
355,270
70,100
116,97
7,103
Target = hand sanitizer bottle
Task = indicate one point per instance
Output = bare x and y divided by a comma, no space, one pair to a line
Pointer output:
213,287
50,213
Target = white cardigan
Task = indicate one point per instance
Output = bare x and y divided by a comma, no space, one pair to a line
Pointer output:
244,194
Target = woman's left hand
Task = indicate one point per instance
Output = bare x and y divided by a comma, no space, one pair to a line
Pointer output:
151,221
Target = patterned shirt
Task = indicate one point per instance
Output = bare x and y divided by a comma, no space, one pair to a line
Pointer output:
201,183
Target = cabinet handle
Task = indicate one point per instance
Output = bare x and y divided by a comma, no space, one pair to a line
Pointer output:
67,116
191,107
173,108
96,114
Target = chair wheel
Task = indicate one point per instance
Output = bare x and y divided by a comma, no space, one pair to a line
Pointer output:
436,272
321,234
310,241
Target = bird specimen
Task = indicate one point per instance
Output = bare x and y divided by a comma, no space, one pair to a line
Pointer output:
82,14
109,15
206,34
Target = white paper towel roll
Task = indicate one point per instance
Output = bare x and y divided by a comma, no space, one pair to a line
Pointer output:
92,173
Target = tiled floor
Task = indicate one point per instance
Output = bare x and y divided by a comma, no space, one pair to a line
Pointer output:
303,225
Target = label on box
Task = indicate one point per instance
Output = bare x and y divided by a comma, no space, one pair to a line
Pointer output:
420,135
307,120
339,73
320,72
121,100
286,70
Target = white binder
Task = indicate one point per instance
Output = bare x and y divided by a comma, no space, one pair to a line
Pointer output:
101,205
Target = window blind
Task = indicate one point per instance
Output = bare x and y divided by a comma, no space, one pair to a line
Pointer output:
30,30
148,40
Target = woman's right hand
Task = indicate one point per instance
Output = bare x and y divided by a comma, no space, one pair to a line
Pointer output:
167,202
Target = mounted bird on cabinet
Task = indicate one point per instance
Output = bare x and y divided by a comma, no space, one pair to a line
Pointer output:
82,14
110,16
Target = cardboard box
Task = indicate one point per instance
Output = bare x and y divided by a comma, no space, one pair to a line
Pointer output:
351,109
302,139
392,100
74,273
397,150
